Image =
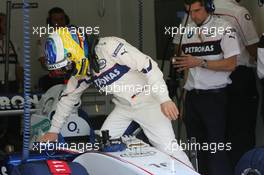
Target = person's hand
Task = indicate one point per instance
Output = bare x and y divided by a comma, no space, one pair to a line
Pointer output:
185,62
49,137
170,110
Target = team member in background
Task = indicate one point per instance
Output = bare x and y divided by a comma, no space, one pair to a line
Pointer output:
140,93
56,18
210,57
242,93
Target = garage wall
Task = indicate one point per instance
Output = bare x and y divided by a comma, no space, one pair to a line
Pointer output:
120,19
83,13
129,24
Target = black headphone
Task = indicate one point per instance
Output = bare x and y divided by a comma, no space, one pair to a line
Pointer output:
208,4
57,10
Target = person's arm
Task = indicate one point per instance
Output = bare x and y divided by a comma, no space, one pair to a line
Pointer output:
125,54
227,64
70,97
250,36
230,48
189,61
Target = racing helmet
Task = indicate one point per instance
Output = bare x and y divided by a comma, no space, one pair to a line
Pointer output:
67,50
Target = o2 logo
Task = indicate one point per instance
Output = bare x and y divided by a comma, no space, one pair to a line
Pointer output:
3,170
73,127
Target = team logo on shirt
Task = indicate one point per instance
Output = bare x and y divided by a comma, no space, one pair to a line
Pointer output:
110,76
190,34
124,51
210,33
248,17
102,63
232,36
231,33
118,48
202,49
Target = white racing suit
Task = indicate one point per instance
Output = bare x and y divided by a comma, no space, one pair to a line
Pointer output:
138,88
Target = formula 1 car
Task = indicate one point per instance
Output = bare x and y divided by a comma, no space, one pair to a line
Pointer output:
126,155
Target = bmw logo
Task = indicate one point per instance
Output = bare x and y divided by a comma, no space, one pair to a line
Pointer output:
102,63
190,34
248,17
